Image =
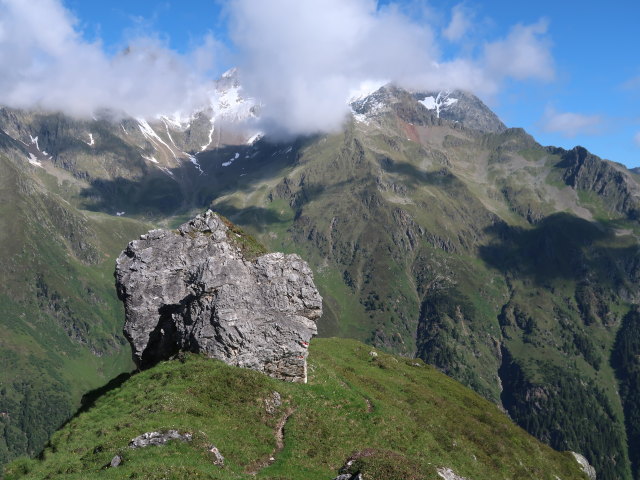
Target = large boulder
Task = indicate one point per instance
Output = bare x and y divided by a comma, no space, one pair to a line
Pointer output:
199,289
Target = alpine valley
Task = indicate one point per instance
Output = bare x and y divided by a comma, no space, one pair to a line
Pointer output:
433,232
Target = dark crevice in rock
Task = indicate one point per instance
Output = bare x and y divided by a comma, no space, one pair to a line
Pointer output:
162,340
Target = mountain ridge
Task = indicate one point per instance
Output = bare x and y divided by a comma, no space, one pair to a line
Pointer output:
506,264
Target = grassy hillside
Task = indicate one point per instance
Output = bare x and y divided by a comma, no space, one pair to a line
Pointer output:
404,417
472,252
510,266
61,320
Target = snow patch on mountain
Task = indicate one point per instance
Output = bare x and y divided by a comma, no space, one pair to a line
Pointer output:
33,160
149,132
91,141
253,139
152,136
169,133
178,120
194,160
226,164
228,104
204,147
438,103
364,102
365,109
232,105
34,141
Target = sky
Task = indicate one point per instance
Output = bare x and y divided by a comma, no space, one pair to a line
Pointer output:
566,71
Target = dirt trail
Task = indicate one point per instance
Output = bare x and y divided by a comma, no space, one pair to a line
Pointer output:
256,467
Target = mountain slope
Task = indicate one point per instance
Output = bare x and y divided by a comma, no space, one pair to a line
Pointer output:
432,230
479,252
406,419
61,320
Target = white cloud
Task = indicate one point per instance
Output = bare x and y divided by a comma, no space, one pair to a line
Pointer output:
636,138
525,53
459,24
45,63
301,59
570,124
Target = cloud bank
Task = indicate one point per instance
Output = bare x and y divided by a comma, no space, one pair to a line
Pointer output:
300,59
570,124
45,63
459,25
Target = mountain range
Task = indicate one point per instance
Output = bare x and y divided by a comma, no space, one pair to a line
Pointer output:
434,231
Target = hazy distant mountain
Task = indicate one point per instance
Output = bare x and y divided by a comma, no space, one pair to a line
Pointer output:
433,230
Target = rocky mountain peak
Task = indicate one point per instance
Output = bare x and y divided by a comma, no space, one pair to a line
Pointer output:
198,289
461,107
585,171
425,107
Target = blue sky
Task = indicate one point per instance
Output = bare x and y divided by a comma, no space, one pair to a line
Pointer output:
586,90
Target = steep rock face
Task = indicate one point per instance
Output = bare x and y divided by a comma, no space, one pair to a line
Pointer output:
464,108
194,289
612,182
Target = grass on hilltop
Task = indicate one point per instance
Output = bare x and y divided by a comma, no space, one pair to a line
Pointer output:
400,417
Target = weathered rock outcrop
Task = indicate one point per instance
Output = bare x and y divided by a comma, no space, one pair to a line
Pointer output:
608,180
586,467
195,290
158,438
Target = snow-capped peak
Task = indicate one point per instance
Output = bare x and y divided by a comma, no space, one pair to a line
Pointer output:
365,89
368,101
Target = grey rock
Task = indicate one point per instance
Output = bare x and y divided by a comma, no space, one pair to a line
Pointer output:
611,181
115,461
586,467
158,438
218,459
194,290
272,403
448,474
